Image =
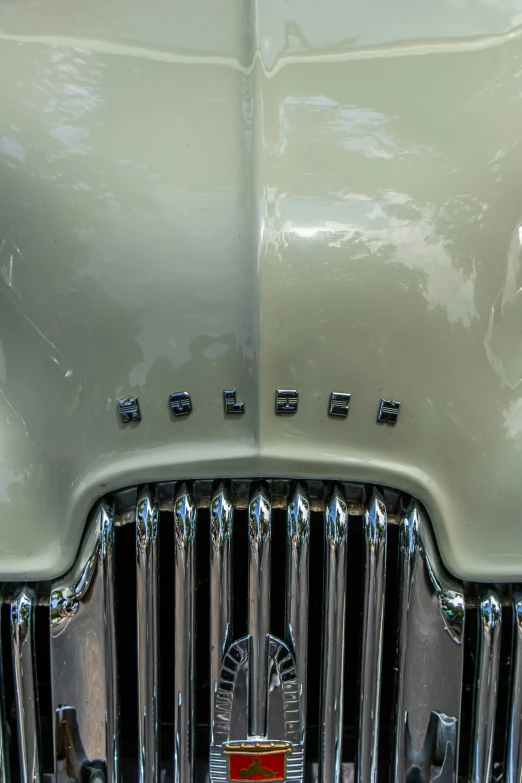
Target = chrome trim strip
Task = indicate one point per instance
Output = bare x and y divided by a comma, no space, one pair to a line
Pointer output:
147,618
185,514
486,686
430,654
221,528
260,531
375,525
513,765
26,693
332,668
82,607
297,557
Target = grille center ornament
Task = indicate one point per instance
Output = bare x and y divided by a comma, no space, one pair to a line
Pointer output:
257,760
279,755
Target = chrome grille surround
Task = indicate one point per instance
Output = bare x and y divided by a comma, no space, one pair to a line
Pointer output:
429,635
83,657
430,653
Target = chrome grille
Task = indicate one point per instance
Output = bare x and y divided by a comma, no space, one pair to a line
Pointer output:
376,646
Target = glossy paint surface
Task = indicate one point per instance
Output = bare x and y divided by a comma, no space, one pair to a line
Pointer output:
205,196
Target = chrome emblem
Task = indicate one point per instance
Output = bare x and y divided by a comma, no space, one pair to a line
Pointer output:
231,404
286,401
257,760
339,404
388,412
234,755
129,409
180,403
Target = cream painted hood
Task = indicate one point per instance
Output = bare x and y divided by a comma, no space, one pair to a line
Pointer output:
209,195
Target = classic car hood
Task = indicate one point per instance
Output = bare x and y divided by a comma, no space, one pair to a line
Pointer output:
314,196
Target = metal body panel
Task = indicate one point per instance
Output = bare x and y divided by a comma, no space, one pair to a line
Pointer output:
260,196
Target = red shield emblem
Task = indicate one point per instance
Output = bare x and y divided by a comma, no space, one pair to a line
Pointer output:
257,760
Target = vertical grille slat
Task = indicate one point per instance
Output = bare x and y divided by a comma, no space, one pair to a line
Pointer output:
375,530
147,607
331,717
22,640
297,565
112,714
83,657
486,688
430,655
5,775
514,746
260,530
317,625
221,532
185,515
